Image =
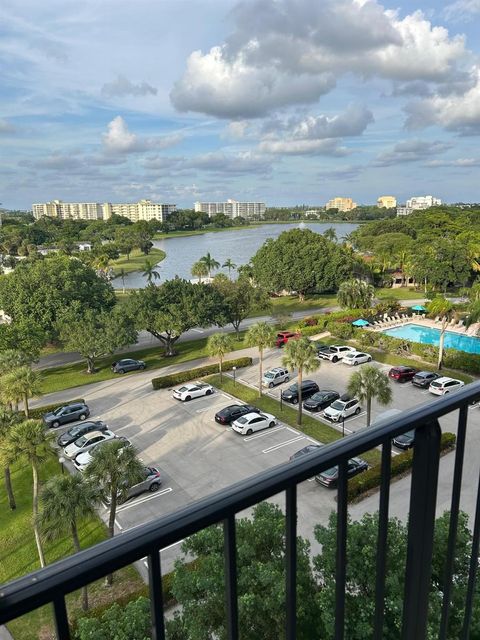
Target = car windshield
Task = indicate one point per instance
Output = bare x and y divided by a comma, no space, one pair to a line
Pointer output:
75,431
81,441
408,434
182,389
269,374
338,405
293,388
242,420
350,355
57,411
436,384
330,473
318,396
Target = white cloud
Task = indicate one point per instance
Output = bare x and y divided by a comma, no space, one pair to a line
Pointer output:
327,147
464,163
461,10
352,122
236,130
119,139
121,86
411,151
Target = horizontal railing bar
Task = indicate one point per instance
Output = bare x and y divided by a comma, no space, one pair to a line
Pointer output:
67,575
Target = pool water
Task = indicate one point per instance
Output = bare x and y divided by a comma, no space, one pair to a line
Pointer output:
428,335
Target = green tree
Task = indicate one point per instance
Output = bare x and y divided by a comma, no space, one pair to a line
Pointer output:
151,271
367,384
442,307
66,501
29,441
218,345
121,274
300,354
132,622
262,336
229,264
355,294
210,263
240,299
95,334
19,385
114,468
199,270
8,419
22,336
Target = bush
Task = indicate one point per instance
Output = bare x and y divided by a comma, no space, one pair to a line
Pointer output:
131,622
371,478
311,330
469,362
308,322
349,315
340,330
37,412
173,379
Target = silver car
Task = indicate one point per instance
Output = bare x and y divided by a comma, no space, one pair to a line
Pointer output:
275,376
151,483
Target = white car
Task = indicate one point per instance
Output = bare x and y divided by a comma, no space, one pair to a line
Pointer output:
275,376
444,385
192,390
251,422
356,357
82,460
87,442
341,409
335,352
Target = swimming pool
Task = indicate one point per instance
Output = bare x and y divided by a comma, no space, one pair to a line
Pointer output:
428,335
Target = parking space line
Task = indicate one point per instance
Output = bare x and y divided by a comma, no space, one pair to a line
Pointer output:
282,444
266,432
118,525
129,505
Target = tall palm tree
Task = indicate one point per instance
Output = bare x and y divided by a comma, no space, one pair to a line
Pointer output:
369,383
121,274
150,271
114,468
355,294
218,345
229,264
66,500
29,441
20,384
199,270
12,359
442,307
330,234
210,263
8,419
262,336
300,354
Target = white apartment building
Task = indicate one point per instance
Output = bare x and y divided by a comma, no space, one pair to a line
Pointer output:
342,204
422,202
135,211
232,208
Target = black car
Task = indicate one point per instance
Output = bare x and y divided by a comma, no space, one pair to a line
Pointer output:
404,440
68,413
320,400
80,430
329,477
234,411
309,387
424,378
127,364
303,452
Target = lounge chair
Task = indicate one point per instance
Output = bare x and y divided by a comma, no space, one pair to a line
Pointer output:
460,324
437,319
452,323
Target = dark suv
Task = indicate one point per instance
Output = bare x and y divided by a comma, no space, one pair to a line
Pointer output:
67,413
402,374
309,387
128,364
80,430
423,379
320,400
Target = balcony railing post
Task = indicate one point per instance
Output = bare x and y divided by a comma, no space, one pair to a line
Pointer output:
341,556
230,548
62,628
156,595
291,562
421,524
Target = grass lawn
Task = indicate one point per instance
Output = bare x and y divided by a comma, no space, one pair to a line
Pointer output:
137,260
18,552
402,293
289,304
310,426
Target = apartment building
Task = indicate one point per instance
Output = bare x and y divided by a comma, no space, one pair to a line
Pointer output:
342,204
386,202
232,208
422,202
135,211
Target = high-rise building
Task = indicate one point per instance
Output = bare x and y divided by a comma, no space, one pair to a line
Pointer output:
342,204
422,202
135,211
68,210
232,208
387,202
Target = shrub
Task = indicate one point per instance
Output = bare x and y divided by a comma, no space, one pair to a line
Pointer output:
308,322
131,622
371,478
37,412
311,330
340,330
173,379
469,362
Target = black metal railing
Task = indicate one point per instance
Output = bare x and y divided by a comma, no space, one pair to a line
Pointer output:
51,584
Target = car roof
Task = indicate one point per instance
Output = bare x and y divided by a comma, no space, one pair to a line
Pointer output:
96,433
276,369
445,379
252,414
425,373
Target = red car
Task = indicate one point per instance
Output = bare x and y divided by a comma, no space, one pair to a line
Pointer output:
284,336
402,374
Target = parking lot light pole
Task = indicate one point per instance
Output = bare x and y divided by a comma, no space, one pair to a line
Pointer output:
61,461
234,369
343,425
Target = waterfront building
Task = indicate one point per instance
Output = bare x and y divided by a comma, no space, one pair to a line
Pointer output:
404,211
386,202
422,202
232,208
135,211
342,204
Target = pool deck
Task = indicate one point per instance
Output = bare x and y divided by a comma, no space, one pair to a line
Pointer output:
423,321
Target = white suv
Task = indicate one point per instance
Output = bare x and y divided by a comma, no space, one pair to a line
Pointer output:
341,409
275,376
444,385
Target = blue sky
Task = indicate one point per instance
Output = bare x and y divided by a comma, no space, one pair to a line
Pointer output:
284,101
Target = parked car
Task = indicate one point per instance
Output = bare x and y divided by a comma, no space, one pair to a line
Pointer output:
402,374
192,390
356,357
128,364
65,414
87,442
275,376
320,400
342,408
284,336
310,448
329,478
251,422
424,378
151,482
444,385
335,352
82,460
79,430
309,387
404,440
234,411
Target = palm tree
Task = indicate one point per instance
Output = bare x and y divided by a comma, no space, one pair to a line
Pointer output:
330,234
29,441
210,263
260,335
218,345
20,384
368,384
300,354
101,261
440,306
67,500
228,264
355,294
150,271
8,419
199,270
121,274
114,468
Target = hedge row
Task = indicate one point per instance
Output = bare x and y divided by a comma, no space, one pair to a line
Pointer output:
37,412
173,379
371,478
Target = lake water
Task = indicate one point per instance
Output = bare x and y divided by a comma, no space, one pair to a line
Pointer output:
239,246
